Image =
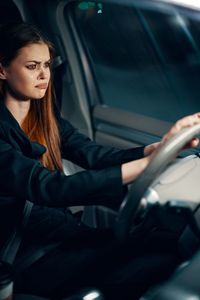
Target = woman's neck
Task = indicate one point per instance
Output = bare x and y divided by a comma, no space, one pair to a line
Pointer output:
19,109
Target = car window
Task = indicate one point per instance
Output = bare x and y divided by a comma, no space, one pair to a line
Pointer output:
145,60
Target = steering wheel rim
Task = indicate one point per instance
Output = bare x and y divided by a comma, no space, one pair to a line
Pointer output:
162,157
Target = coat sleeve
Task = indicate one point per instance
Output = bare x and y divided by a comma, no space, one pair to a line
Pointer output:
79,149
25,178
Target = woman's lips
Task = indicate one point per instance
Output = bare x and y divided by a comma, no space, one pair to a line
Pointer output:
42,86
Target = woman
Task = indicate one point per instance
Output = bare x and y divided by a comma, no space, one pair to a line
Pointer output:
33,139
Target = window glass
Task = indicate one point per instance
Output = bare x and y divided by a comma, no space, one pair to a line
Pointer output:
144,60
170,31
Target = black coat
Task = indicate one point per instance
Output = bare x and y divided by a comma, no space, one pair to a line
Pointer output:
22,176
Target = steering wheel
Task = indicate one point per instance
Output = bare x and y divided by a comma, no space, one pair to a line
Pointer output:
163,156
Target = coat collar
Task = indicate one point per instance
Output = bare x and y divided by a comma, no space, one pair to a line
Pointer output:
6,116
14,135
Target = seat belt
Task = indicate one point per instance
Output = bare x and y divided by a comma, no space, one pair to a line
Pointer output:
9,251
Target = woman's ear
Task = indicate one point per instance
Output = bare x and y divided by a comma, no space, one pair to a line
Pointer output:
2,72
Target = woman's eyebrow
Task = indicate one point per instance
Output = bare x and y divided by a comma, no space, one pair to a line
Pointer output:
38,62
34,61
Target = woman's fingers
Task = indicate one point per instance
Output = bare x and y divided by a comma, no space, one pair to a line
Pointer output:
151,148
185,122
192,144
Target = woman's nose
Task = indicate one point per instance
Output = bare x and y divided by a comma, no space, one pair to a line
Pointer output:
44,72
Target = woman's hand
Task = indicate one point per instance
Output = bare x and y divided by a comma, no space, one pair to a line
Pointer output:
185,122
149,149
131,170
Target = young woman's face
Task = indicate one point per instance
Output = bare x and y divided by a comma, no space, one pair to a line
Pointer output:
28,74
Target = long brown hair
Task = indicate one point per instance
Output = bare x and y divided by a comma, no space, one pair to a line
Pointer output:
40,124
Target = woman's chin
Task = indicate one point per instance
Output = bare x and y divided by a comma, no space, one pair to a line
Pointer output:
40,96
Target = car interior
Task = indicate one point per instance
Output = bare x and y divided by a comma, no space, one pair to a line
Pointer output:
123,72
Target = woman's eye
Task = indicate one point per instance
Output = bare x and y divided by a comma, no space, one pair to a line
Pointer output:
31,67
47,64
